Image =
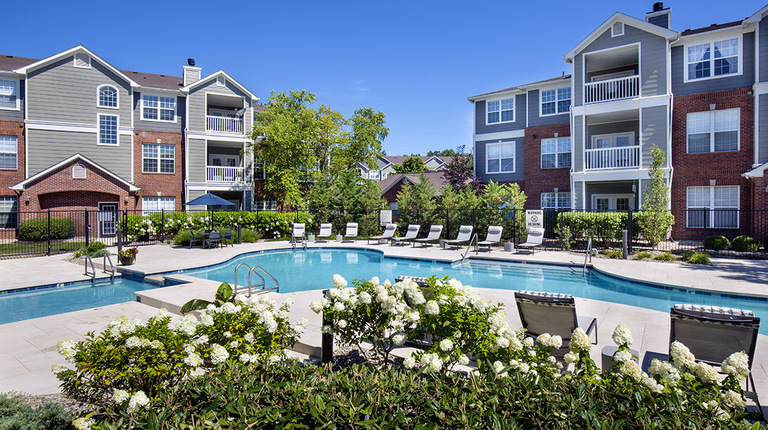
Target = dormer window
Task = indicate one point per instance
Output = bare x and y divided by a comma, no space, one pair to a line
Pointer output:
714,59
108,97
82,61
78,171
500,111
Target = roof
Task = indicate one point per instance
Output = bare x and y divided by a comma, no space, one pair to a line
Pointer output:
73,51
435,178
756,172
521,87
214,76
153,80
11,62
713,27
23,184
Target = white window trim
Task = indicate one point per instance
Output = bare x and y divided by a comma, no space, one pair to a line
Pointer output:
556,153
557,112
514,110
712,132
17,154
175,109
14,202
98,97
18,91
612,200
514,158
98,130
616,34
159,158
84,171
157,200
221,81
711,208
261,204
74,61
557,207
613,137
739,38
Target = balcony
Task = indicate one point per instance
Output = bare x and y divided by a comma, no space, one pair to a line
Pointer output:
223,124
612,89
623,157
223,174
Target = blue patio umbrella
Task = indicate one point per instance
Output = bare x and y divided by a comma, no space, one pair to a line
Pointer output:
209,199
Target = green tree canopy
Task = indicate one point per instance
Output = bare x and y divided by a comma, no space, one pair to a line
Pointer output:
411,165
655,219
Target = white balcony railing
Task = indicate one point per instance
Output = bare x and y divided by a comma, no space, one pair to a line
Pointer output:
224,124
612,89
623,157
224,174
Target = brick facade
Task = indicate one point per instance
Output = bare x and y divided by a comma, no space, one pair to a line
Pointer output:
725,168
158,184
10,177
538,180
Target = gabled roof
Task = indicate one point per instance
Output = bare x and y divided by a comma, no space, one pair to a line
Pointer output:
152,80
23,184
10,63
76,50
626,19
756,17
713,27
214,76
519,88
435,178
757,172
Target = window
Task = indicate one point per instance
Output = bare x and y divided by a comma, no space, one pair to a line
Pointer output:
157,204
617,29
713,207
79,171
555,101
108,129
616,140
8,151
556,201
8,212
9,94
613,202
500,111
158,158
108,96
221,81
266,204
555,152
158,108
713,59
375,175
82,61
713,131
500,157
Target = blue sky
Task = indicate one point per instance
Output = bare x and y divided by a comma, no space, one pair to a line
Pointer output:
416,61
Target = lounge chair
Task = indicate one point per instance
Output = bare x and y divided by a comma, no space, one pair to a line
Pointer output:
326,230
535,238
410,234
389,232
552,313
299,232
433,237
492,238
351,232
464,236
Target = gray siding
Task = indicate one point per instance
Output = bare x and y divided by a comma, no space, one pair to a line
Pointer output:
177,126
578,196
518,124
654,128
535,120
519,174
198,107
763,50
660,20
763,128
62,92
197,162
577,81
191,195
746,79
577,144
46,148
16,115
606,188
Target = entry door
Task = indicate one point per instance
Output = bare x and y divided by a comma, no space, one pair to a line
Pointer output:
107,219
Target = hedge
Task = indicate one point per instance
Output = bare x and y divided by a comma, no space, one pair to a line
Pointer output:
717,243
36,229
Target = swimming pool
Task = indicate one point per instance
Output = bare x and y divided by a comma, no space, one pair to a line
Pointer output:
313,269
48,300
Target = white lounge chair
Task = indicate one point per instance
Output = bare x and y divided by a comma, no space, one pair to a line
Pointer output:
410,234
492,238
298,233
351,232
553,313
464,236
389,232
326,230
535,238
432,237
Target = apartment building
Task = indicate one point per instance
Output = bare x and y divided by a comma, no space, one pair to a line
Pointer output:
584,141
78,133
385,165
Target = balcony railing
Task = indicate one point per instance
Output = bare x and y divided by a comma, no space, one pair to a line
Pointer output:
623,157
224,124
224,174
612,89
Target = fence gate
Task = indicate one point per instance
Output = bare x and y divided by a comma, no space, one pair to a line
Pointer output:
107,219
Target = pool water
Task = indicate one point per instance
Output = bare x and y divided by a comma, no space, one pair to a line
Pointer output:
313,269
41,302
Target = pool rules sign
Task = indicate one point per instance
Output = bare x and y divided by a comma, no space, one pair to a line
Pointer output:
534,219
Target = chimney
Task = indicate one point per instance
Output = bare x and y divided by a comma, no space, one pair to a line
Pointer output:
191,74
659,16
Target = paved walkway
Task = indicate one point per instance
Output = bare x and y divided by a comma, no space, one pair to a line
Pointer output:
30,345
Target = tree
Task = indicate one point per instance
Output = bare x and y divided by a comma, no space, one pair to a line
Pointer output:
416,202
460,173
444,153
365,140
655,219
411,165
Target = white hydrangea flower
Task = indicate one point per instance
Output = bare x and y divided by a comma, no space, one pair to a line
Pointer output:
228,308
219,354
432,362
202,340
514,343
120,396
502,342
342,324
67,349
398,339
681,355
409,362
83,423
196,373
338,307
570,358
339,281
156,344
498,366
664,370
734,400
555,342
248,337
163,312
58,368
706,373
364,298
375,280
233,344
138,401
316,307
622,336
652,385
622,356
631,369
206,320
327,329
543,338
193,360
580,341
528,341
187,324
446,345
245,358
736,364
134,342
432,308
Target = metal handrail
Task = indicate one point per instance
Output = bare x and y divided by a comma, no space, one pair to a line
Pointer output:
111,267
469,247
303,241
251,271
588,256
93,270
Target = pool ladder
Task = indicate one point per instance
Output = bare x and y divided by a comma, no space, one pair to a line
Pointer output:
469,247
251,286
92,273
293,242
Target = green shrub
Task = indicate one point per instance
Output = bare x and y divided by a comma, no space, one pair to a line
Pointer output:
643,255
249,236
667,256
17,415
717,243
745,243
612,253
698,258
36,229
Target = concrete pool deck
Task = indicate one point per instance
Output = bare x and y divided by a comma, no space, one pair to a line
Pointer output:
30,346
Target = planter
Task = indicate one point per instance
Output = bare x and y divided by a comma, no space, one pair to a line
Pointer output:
127,261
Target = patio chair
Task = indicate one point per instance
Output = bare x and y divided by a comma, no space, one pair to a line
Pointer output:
351,232
212,239
432,237
535,238
389,232
492,238
299,232
326,230
410,234
553,313
227,238
194,239
464,236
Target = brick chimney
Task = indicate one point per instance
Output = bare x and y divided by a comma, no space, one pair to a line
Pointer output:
659,15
